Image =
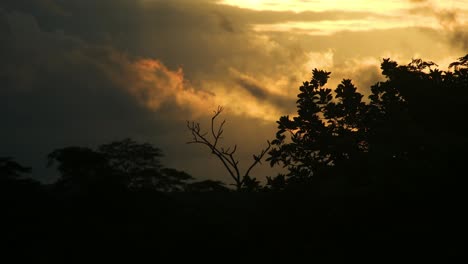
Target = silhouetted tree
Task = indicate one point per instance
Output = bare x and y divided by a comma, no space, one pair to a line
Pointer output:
82,169
140,165
124,164
277,183
225,155
325,133
251,184
407,128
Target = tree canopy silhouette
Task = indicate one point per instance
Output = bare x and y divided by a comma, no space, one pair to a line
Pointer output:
82,169
120,164
408,127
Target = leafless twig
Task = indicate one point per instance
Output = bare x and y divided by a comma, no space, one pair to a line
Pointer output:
225,155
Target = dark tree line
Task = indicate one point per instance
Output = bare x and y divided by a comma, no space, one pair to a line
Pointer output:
124,165
379,177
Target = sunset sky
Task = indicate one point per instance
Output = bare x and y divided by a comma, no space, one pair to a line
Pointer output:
86,72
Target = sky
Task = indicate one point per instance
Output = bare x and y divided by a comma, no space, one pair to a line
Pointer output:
87,72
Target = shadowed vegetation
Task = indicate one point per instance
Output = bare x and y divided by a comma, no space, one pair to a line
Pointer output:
373,178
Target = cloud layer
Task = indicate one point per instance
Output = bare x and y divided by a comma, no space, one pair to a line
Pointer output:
87,72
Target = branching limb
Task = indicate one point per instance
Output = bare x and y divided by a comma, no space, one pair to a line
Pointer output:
200,138
225,155
258,159
217,135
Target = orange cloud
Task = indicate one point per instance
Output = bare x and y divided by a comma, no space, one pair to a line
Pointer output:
153,84
156,84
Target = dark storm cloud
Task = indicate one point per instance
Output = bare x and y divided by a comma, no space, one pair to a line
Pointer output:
174,31
57,90
205,39
66,66
85,72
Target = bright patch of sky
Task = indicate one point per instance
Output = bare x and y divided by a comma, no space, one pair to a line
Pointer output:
388,14
381,6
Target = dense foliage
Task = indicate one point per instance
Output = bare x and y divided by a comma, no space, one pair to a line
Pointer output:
407,134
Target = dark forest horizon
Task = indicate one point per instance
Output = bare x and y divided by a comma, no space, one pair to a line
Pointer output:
332,129
381,174
242,130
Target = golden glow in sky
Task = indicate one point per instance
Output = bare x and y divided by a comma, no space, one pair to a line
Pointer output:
157,63
381,6
383,14
327,27
319,5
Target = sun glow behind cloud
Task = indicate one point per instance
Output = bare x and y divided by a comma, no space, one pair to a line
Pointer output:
169,61
385,14
328,27
320,5
379,7
152,84
262,95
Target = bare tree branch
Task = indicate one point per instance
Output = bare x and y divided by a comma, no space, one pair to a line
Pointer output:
217,135
201,139
258,159
225,155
